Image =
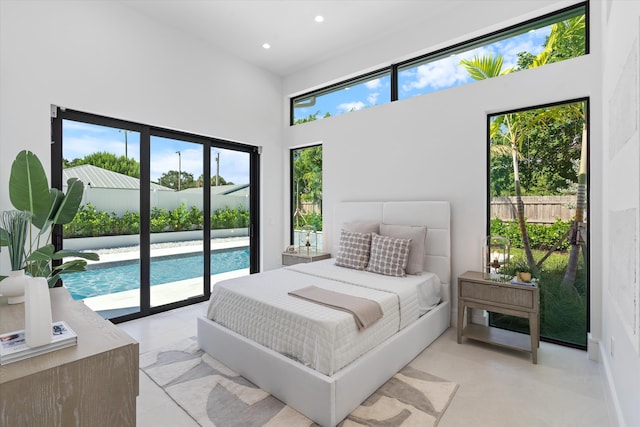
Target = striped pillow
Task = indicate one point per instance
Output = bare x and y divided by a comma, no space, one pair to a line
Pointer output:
354,250
389,255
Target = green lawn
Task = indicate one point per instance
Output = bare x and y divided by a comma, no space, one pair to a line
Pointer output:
563,313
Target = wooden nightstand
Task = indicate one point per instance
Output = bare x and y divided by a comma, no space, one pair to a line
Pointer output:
291,258
474,291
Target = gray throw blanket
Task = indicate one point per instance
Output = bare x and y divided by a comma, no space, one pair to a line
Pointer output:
365,311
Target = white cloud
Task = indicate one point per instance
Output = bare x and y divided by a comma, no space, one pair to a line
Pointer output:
373,98
373,84
348,106
436,75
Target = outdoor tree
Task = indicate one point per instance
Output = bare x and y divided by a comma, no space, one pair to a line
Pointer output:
170,179
108,161
221,181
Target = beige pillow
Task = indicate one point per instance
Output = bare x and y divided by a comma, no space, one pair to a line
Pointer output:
418,236
362,226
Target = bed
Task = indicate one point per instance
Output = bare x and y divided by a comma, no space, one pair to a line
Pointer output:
344,365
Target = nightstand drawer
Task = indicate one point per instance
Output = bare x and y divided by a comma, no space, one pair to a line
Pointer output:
497,294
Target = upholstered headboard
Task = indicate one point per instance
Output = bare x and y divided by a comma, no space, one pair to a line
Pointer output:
435,215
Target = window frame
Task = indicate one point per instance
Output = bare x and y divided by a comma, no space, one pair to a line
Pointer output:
59,114
395,68
292,204
587,101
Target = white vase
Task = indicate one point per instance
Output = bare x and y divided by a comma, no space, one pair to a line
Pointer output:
13,286
37,311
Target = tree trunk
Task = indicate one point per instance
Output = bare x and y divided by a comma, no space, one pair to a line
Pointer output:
520,210
577,225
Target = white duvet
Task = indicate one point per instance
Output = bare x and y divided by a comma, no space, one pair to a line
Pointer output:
322,338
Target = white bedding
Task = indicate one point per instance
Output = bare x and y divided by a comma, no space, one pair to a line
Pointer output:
427,286
322,338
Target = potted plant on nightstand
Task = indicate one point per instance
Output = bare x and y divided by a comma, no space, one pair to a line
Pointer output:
41,208
14,226
45,207
522,271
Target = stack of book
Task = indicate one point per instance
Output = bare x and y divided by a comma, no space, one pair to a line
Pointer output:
13,346
515,281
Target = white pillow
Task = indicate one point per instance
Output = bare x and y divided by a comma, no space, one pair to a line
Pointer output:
418,236
389,255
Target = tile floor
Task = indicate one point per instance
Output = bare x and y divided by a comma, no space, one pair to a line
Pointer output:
498,387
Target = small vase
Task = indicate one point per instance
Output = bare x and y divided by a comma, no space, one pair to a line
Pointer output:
37,312
13,287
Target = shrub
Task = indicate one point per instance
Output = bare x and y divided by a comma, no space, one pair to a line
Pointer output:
541,236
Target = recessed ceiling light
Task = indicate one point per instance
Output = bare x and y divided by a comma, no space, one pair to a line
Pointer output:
266,45
319,18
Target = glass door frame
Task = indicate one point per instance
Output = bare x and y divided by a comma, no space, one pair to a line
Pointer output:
58,115
587,102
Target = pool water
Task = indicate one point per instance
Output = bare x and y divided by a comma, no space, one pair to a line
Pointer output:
112,277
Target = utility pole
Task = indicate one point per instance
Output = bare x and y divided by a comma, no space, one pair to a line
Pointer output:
179,168
217,168
126,154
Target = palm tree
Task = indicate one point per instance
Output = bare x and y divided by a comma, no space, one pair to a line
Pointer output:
510,129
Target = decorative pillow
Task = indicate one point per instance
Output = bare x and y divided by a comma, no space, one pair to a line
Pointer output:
389,255
418,236
362,226
354,250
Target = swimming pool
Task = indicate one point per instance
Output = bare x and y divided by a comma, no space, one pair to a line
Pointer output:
112,277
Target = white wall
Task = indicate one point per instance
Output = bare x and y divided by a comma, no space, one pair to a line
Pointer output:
621,37
434,146
103,57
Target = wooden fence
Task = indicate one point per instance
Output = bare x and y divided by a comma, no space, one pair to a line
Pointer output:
537,209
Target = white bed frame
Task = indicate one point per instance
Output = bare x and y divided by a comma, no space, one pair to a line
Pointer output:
329,399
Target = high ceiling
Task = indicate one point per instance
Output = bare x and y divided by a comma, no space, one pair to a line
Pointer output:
297,41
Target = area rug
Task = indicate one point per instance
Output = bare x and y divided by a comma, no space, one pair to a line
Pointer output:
214,395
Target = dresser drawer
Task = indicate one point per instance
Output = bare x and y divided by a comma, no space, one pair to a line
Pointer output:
497,294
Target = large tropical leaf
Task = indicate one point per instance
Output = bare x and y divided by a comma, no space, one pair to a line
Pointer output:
483,67
65,253
70,203
28,184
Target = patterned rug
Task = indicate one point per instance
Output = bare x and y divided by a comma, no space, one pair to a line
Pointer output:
214,395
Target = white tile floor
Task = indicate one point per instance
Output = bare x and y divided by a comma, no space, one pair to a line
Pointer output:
498,387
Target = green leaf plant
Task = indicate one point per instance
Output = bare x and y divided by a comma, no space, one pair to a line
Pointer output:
29,192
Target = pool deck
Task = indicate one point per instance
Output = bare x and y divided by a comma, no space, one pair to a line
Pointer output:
125,302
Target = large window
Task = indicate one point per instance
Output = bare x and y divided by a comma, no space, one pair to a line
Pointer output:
538,190
306,193
551,38
169,213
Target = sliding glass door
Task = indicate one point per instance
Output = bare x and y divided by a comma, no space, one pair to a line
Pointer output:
169,213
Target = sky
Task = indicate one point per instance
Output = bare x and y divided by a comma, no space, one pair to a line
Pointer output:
429,77
81,139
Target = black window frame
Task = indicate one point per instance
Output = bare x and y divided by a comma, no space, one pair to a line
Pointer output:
59,114
292,205
587,101
395,68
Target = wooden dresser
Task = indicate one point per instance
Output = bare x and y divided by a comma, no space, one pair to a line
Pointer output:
91,384
474,291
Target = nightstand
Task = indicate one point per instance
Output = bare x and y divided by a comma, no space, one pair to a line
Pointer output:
291,258
474,291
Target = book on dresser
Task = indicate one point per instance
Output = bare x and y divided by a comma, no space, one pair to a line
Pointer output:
13,346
